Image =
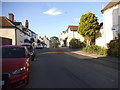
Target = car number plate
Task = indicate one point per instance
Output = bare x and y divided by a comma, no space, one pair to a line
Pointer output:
2,83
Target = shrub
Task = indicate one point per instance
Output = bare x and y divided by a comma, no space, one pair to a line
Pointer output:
82,45
74,43
96,50
114,48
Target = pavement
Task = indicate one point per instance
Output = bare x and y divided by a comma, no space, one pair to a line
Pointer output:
80,52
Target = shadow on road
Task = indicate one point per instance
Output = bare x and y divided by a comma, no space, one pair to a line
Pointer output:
59,68
105,60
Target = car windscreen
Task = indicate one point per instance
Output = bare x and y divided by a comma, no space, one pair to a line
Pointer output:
13,52
29,47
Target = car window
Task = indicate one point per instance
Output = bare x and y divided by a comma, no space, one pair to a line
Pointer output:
29,47
13,52
26,51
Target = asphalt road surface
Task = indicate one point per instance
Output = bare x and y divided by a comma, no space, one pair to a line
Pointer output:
56,68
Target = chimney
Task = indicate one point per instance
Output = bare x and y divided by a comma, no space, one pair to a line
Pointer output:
27,24
11,16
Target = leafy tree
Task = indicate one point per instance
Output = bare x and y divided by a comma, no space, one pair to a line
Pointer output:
88,27
55,41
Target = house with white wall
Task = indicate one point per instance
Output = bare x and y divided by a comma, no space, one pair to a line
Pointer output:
40,38
63,37
14,33
11,32
71,32
111,23
27,36
30,33
45,40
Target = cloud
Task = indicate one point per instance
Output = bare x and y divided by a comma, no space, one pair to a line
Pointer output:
53,12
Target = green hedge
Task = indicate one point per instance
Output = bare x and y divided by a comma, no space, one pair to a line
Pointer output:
114,48
96,50
74,43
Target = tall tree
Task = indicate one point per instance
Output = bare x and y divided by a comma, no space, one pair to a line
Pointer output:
55,41
88,27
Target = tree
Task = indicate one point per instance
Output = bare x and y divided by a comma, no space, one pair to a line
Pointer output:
88,27
55,41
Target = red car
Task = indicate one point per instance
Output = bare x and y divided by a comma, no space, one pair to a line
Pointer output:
15,66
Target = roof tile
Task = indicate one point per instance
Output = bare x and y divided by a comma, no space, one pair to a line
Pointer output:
5,22
110,5
73,28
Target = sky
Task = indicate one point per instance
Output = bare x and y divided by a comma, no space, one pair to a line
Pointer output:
51,18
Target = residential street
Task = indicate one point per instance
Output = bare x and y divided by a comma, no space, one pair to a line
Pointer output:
57,68
60,44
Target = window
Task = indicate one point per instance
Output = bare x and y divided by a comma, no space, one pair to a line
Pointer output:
29,47
9,52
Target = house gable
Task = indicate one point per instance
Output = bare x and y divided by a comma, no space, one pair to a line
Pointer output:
5,23
110,5
73,28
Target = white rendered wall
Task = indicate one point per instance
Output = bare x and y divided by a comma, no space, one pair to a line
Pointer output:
74,34
8,33
110,19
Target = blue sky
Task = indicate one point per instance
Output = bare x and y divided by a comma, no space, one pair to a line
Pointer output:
51,18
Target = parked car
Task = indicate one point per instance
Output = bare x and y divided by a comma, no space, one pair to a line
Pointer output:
45,46
16,62
30,49
39,46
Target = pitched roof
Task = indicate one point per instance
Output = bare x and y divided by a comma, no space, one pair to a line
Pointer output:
24,28
73,28
110,5
17,23
5,22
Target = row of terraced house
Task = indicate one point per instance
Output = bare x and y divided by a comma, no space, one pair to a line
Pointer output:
15,33
110,28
